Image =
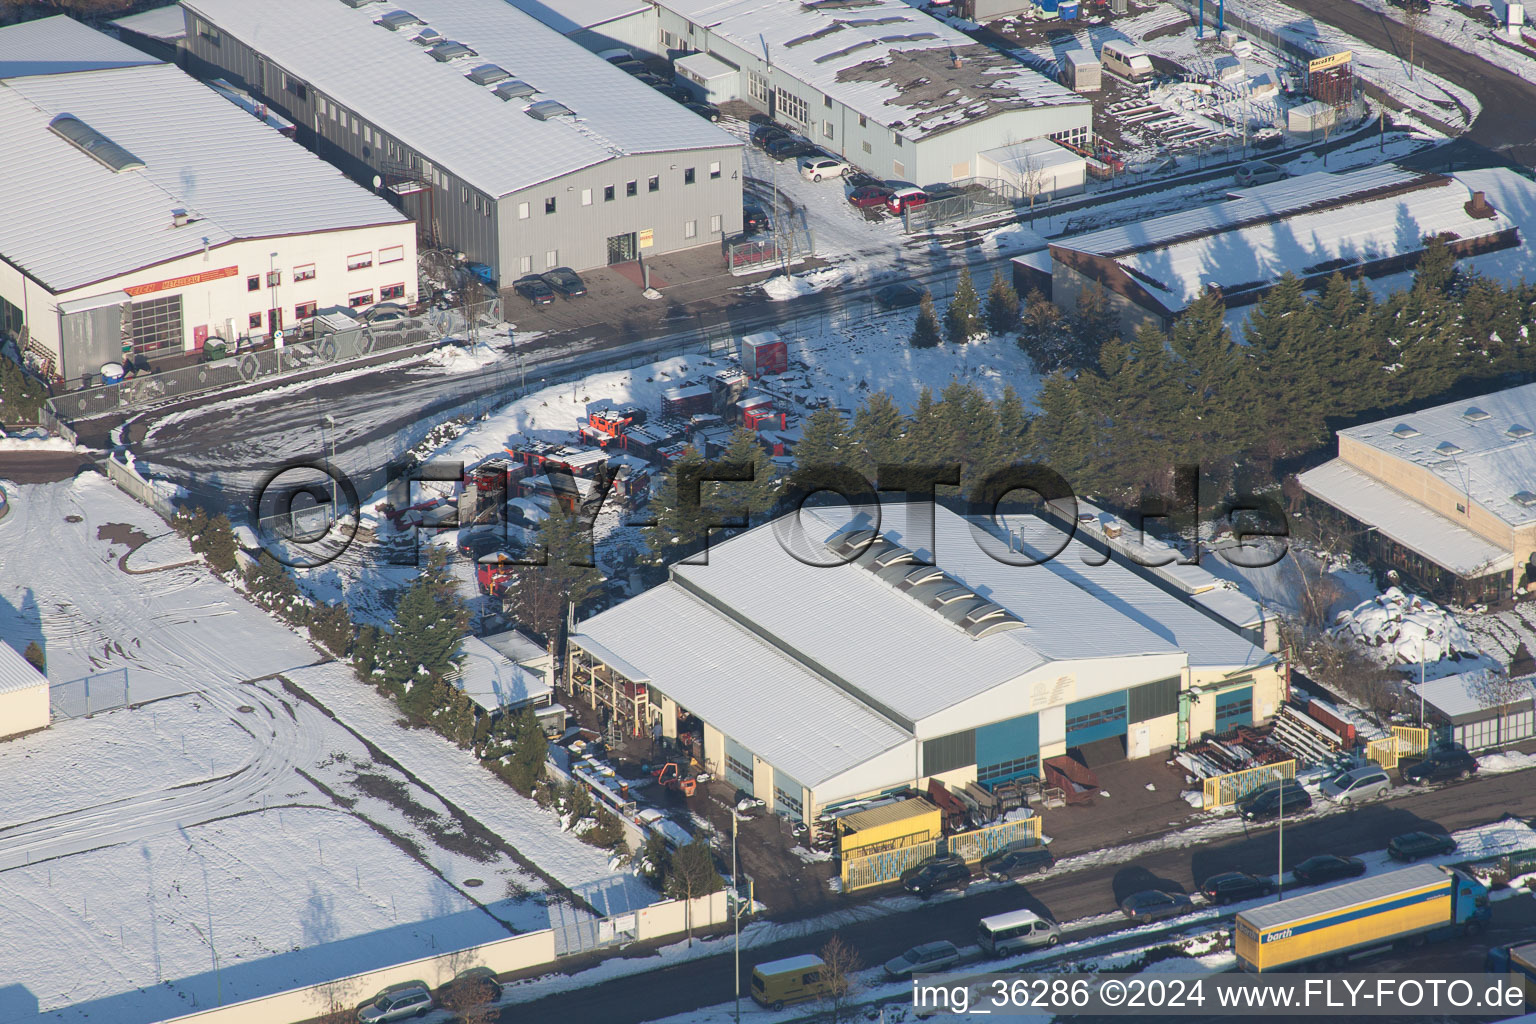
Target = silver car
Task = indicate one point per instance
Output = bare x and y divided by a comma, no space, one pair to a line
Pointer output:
1357,784
924,959
397,1002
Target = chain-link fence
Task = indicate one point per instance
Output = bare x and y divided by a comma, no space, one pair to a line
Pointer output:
321,348
80,697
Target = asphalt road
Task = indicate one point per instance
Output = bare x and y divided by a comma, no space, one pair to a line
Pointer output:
41,467
698,983
1507,123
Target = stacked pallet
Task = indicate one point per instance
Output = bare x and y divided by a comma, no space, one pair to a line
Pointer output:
1305,738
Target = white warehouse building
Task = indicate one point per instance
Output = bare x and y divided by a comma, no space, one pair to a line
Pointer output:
888,88
144,213
922,657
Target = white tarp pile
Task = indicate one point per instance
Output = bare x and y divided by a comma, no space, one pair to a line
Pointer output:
1404,629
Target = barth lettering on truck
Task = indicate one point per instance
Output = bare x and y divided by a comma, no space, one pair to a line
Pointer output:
1356,917
1519,963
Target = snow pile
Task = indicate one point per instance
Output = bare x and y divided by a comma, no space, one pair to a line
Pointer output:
1404,629
1507,761
811,856
34,440
455,359
781,288
162,552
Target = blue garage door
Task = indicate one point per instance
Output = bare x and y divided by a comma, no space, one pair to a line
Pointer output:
1008,750
1234,708
1097,718
738,765
787,794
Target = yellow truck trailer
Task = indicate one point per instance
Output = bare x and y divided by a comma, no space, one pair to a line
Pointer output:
1519,962
1333,925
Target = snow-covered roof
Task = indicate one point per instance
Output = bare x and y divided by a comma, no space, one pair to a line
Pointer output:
68,220
1307,242
1483,447
1255,204
493,681
566,18
16,672
1457,695
762,699
1404,520
1033,155
164,23
704,66
52,46
434,109
882,58
517,646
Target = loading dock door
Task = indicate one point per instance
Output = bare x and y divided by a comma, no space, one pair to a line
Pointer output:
1008,750
1234,708
738,765
1097,718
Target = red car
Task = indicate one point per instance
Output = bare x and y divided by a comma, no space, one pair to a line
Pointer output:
906,199
866,196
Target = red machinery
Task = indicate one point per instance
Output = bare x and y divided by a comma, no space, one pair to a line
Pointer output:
669,776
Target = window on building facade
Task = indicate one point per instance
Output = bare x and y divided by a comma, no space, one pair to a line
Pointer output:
826,129
522,211
863,121
714,224
357,300
392,254
253,283
898,169
305,310
793,107
654,184
757,88
360,261
253,321
631,188
525,265
826,101
896,139
690,228
867,147
688,176
551,259
392,291
714,169
549,205
607,193
296,88
306,272
586,197
274,278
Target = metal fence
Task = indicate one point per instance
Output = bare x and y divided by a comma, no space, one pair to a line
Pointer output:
94,693
135,485
976,198
776,250
1226,790
888,865
984,842
263,364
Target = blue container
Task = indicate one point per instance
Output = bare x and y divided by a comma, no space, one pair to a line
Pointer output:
1068,10
1047,6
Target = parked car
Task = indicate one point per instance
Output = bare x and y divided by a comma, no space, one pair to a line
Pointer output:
764,134
410,999
675,93
565,281
1017,860
1326,867
1153,905
1421,6
1233,886
1260,172
1410,846
866,196
817,167
898,296
753,218
384,312
478,982
535,289
705,110
1441,765
1357,784
649,79
905,199
789,148
935,875
1266,801
632,66
481,272
924,959
617,55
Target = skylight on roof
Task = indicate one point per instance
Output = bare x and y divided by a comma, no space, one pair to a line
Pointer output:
1448,448
546,109
1405,430
447,51
514,90
1525,498
396,20
428,37
94,144
1518,430
1474,413
489,74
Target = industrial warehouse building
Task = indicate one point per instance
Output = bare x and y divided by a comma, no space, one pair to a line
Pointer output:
1481,710
817,684
888,88
503,139
1372,221
145,213
24,703
1445,497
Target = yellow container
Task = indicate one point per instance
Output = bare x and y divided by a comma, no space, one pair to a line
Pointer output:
907,823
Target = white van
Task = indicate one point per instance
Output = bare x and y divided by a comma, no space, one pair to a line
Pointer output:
1020,930
1126,61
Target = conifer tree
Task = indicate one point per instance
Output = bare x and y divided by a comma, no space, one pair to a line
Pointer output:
1212,428
524,766
962,320
429,625
35,657
1062,432
677,526
923,428
967,432
1002,306
925,332
823,441
878,435
1012,427
331,628
1437,266
1044,335
1093,322
754,498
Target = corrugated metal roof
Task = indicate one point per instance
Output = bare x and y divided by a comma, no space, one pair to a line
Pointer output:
493,681
858,822
573,17
1457,695
52,46
802,725
1404,520
1337,897
165,23
16,672
386,79
1494,460
68,221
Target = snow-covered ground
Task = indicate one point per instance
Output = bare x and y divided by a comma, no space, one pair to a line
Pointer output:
1446,22
35,439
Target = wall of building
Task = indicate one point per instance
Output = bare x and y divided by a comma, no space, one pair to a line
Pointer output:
1067,283
1267,684
24,710
576,233
636,33
714,750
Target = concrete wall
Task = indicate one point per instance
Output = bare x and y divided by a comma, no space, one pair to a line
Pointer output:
24,710
1267,684
1067,284
503,956
714,749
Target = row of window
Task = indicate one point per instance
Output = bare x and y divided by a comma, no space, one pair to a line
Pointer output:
306,271
552,256
1096,718
1239,710
782,799
743,771
1008,769
610,192
357,300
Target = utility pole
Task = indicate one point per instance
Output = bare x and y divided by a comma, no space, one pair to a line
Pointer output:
736,912
331,422
1280,848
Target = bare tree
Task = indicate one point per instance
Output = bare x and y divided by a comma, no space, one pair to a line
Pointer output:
1413,20
436,268
473,299
1340,665
838,978
1504,693
338,1001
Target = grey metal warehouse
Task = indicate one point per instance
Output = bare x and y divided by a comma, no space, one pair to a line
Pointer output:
503,139
890,89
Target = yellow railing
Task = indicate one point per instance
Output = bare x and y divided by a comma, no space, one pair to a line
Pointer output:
1225,790
1383,752
1411,740
886,866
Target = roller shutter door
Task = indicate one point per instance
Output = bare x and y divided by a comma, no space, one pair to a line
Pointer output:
1008,750
738,765
1234,708
1098,718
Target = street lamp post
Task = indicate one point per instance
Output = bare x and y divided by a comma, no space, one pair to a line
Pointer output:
736,912
330,421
